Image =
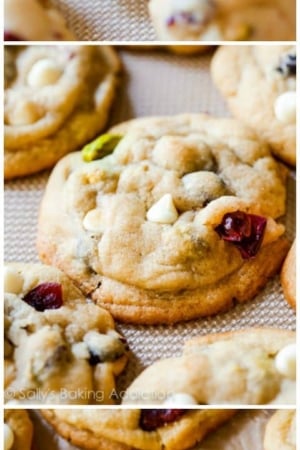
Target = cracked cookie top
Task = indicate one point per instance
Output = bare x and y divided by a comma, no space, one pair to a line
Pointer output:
59,348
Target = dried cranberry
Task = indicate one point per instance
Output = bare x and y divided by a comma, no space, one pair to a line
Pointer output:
94,359
9,36
288,65
45,296
182,18
151,419
245,231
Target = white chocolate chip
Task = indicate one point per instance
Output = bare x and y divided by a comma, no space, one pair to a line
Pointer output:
212,33
44,73
96,341
25,113
8,437
285,107
93,221
163,211
13,281
180,398
285,361
80,350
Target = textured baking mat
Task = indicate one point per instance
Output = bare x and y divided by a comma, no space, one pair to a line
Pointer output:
154,83
244,432
108,20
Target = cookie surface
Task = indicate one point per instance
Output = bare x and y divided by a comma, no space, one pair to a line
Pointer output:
34,20
18,430
219,20
124,429
259,84
281,431
288,276
254,366
137,229
58,347
56,99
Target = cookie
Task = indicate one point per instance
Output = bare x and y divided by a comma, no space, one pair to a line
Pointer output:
259,85
288,276
220,20
18,430
281,431
59,348
140,429
34,20
143,230
56,99
254,366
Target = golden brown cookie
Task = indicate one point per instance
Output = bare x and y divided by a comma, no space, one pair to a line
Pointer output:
139,429
223,20
259,84
18,430
34,20
177,223
59,348
254,366
56,99
281,431
288,276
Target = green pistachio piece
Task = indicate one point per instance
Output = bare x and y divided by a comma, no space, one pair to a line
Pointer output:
100,147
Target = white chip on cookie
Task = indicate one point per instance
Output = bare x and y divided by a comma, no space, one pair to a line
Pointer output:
8,437
13,281
285,361
163,211
25,113
93,221
180,398
44,73
285,107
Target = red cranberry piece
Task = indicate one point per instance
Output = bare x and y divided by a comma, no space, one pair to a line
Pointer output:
45,296
151,419
9,36
245,231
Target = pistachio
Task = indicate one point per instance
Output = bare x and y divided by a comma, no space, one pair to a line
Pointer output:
100,147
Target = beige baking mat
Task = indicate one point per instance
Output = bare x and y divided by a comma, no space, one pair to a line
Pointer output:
154,83
108,20
244,432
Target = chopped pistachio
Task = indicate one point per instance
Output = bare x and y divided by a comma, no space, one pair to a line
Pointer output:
101,146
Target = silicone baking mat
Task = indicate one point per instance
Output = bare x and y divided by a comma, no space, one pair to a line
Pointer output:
244,432
154,83
108,20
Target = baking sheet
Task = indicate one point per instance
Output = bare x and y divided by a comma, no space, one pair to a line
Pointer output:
244,432
154,83
108,20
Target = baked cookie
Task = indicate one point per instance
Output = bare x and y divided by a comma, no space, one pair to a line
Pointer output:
140,429
254,366
288,276
18,430
223,20
177,223
281,431
259,84
34,20
59,348
56,99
